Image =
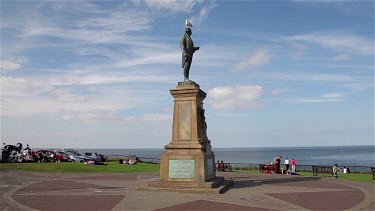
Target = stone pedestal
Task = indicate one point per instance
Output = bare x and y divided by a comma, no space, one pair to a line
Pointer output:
188,164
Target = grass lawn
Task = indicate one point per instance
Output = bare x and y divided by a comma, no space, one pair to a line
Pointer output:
359,177
80,167
367,178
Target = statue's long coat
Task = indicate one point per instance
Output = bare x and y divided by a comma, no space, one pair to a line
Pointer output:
187,47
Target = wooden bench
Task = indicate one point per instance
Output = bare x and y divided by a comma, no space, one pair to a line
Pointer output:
322,169
373,172
264,167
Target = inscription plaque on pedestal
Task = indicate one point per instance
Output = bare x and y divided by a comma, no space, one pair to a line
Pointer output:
210,167
182,169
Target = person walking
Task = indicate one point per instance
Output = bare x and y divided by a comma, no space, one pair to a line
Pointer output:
293,163
334,170
277,164
286,163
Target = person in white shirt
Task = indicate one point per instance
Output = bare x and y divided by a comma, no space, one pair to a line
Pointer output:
345,170
286,163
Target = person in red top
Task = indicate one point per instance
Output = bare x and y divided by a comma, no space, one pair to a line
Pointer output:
293,163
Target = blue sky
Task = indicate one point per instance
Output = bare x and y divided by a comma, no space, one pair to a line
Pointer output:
276,73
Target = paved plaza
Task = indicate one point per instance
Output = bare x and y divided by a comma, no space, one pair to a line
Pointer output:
21,190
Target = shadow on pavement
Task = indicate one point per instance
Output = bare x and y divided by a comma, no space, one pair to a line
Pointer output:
239,182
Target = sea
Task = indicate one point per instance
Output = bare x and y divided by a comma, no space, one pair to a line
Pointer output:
327,155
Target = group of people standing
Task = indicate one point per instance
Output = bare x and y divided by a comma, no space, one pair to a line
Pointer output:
287,164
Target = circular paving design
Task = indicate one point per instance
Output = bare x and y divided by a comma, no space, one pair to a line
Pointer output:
42,191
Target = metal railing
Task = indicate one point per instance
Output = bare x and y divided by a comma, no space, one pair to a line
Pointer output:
247,166
305,167
140,159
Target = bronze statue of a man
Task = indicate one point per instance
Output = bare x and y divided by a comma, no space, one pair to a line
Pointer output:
188,49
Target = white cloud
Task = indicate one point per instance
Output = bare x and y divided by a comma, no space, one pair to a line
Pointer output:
88,78
79,6
299,46
330,77
260,57
158,117
354,8
234,97
336,65
319,77
18,87
298,49
234,115
160,58
119,21
90,36
320,100
9,66
312,100
203,14
93,26
325,98
338,41
173,5
218,59
278,91
196,20
333,95
92,115
22,98
358,86
341,57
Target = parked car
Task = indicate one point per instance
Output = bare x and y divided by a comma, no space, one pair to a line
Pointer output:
62,157
45,155
96,156
77,156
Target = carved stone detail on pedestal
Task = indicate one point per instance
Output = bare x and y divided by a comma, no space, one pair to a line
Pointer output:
203,139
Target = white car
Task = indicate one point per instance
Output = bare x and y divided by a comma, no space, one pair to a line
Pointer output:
76,156
94,156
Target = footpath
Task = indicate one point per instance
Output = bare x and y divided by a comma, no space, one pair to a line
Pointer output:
21,190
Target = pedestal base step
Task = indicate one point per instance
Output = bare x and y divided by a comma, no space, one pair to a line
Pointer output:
217,186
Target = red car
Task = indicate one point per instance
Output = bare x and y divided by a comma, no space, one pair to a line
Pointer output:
44,155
